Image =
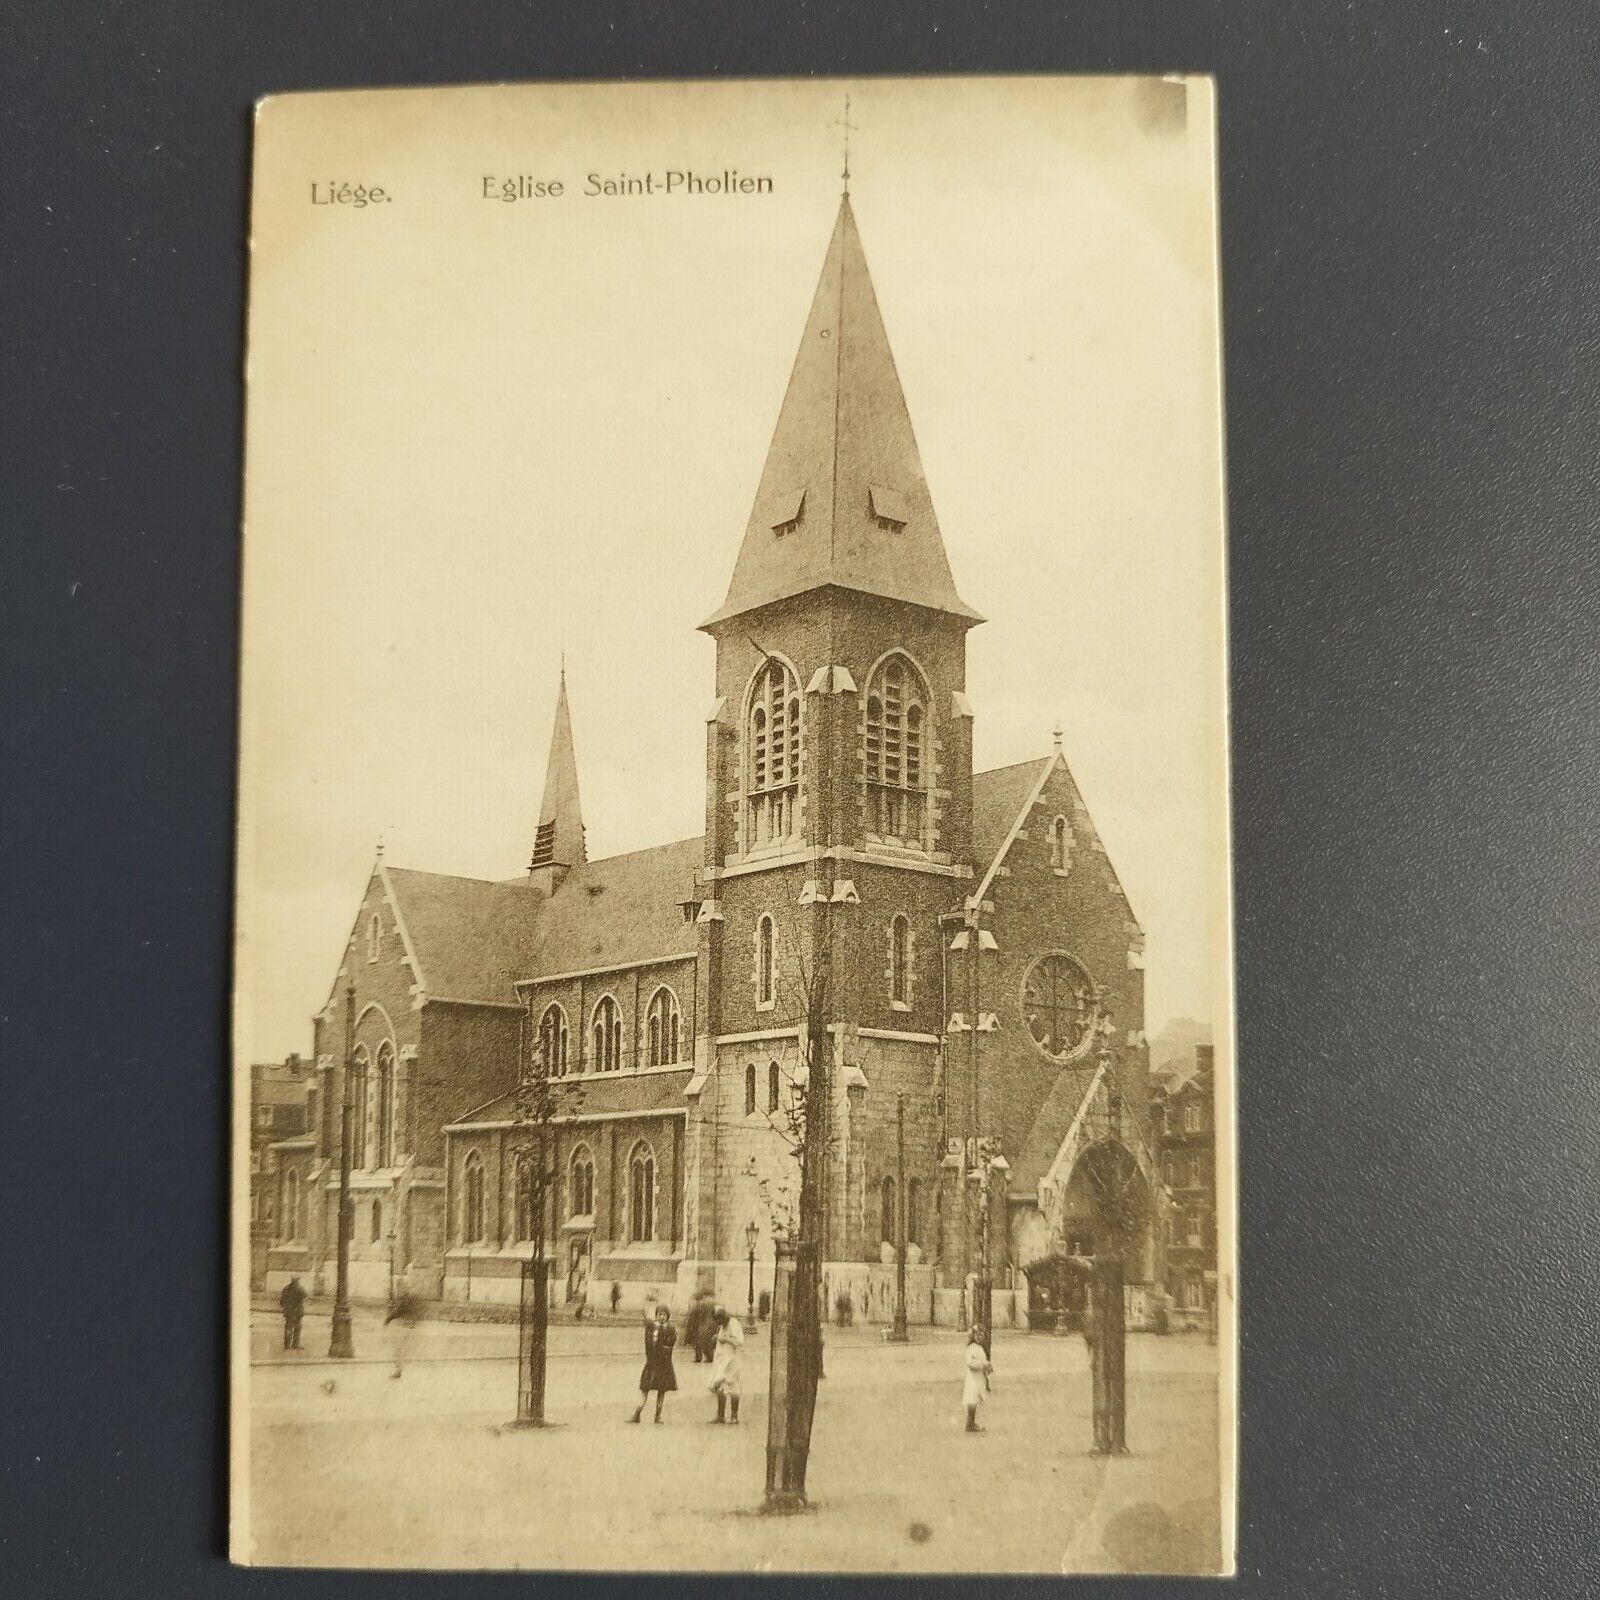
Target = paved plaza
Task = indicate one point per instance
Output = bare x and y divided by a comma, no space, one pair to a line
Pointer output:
403,1457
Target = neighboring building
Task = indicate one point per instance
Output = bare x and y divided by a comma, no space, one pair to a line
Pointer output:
1183,1117
280,1110
985,962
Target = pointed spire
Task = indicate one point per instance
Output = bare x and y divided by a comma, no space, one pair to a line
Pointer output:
843,499
558,843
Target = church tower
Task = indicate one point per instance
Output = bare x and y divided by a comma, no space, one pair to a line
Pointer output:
558,840
838,779
841,655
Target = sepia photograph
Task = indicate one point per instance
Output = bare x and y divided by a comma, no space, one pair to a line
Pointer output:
733,1019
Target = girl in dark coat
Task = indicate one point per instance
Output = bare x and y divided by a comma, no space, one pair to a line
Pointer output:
659,1338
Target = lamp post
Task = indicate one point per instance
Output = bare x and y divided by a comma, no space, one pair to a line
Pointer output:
751,1234
899,1334
340,1342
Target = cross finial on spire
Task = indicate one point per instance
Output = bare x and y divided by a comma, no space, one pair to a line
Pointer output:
380,847
845,123
1055,736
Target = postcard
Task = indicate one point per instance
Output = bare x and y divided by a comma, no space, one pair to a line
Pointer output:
734,922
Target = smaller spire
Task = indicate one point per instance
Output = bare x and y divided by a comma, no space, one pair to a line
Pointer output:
558,841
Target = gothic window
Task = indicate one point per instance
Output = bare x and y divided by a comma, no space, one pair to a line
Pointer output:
765,962
1060,845
642,1194
662,1028
1058,1005
1196,1223
886,1209
772,756
1192,1120
377,1220
473,1228
900,961
374,937
606,1036
358,1103
525,1200
580,1183
385,1156
553,1040
914,1211
750,1090
896,764
772,1086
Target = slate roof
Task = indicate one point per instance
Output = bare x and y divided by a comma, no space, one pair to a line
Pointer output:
643,1092
473,939
1049,1129
998,797
616,911
844,442
470,936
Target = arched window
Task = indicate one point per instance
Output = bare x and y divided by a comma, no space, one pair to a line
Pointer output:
358,1102
605,1036
913,1211
1060,844
766,962
525,1200
750,1089
886,1208
662,1028
377,1220
772,1086
772,755
386,1104
642,1194
900,961
289,1215
374,937
580,1183
473,1228
896,763
553,1041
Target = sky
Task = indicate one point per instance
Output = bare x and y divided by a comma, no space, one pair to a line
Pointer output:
483,437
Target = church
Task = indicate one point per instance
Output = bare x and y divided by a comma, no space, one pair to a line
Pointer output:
985,987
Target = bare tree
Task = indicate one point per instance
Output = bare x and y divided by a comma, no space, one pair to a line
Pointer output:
539,1102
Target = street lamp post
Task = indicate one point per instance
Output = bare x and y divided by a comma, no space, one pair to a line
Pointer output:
751,1234
899,1334
340,1342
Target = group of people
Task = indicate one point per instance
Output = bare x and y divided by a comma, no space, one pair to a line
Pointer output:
716,1336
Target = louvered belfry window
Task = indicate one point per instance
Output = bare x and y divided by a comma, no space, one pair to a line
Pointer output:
773,743
896,763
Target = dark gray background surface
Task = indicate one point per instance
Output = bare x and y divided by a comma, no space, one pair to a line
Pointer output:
1409,248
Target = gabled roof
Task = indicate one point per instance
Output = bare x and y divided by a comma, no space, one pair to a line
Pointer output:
1050,1127
843,500
620,910
472,939
643,1093
468,937
1000,799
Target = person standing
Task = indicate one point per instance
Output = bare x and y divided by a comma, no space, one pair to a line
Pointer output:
727,1365
695,1327
975,1390
657,1377
292,1303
